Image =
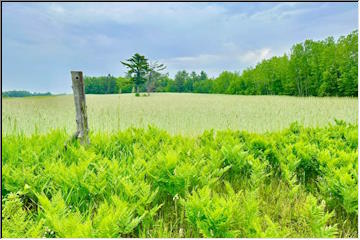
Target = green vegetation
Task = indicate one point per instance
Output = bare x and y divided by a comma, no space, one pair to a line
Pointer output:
138,68
300,182
23,94
313,68
188,114
102,85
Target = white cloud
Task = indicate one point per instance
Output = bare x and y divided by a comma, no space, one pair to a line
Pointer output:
254,56
236,60
135,13
281,11
199,59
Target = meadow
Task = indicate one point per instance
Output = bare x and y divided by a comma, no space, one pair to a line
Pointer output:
181,165
177,113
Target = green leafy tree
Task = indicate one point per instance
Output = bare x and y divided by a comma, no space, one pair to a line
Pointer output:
124,85
180,79
101,85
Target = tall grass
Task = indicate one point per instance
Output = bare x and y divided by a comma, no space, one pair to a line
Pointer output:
189,114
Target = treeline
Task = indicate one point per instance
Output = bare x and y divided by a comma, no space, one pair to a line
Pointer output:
101,85
16,93
313,68
183,82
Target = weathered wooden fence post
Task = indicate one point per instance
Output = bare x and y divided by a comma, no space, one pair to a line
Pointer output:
80,106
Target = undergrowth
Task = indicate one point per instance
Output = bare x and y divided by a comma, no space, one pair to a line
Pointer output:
300,182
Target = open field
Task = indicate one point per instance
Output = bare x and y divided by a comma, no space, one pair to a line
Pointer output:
188,114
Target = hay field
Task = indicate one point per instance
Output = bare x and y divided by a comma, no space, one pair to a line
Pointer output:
188,114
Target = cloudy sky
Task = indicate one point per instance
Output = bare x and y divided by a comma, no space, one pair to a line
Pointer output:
42,42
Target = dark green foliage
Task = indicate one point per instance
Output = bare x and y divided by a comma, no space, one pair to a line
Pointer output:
16,93
101,85
300,182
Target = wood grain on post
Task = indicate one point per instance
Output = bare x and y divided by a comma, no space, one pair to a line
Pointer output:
80,106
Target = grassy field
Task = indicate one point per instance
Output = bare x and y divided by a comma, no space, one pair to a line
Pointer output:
180,178
188,114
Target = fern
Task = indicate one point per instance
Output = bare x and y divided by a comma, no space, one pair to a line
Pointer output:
16,222
300,182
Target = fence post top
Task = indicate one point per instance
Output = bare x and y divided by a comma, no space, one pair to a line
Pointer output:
76,74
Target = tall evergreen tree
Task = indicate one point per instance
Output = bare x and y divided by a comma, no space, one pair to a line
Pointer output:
138,67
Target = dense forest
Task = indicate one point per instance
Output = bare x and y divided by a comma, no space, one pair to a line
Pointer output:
20,93
312,68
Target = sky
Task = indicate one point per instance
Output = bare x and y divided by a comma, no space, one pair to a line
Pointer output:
43,42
